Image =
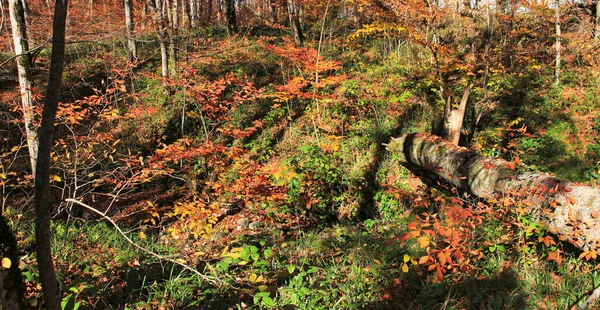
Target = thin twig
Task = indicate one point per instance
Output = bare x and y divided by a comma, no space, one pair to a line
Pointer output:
26,52
210,279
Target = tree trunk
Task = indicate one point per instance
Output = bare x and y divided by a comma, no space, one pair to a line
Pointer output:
11,281
558,42
597,29
453,119
193,13
272,11
230,19
294,17
158,11
43,197
568,210
172,32
19,32
130,29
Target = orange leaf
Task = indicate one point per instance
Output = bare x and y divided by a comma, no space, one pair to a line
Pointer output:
423,241
594,214
442,258
423,260
439,275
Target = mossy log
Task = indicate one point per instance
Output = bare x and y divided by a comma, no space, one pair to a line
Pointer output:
569,210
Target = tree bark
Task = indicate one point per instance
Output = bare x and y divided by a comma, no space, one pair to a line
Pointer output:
294,17
558,41
158,10
453,119
230,18
130,29
43,197
11,281
569,210
19,32
597,28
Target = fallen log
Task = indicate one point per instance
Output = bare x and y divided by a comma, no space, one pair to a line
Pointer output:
569,210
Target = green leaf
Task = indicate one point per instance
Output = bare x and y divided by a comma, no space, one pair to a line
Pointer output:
290,269
268,301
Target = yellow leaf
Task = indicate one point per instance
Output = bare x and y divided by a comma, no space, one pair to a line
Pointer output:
406,258
252,277
142,235
55,178
404,268
423,241
263,288
6,262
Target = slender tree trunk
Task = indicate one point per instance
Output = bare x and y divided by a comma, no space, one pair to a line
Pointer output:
209,11
230,19
43,198
597,29
294,17
19,32
272,11
185,16
130,28
558,42
172,33
566,209
158,11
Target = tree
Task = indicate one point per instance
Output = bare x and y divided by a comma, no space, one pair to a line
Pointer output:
19,32
568,210
43,197
293,9
558,41
230,18
130,28
158,10
597,28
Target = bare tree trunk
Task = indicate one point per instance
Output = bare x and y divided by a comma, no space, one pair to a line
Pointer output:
193,13
172,32
19,32
294,17
558,42
597,29
569,210
230,19
272,11
158,11
453,119
130,29
11,281
209,11
43,197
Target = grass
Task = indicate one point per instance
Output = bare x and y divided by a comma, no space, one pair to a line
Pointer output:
346,259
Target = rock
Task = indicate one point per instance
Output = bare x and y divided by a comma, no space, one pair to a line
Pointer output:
243,223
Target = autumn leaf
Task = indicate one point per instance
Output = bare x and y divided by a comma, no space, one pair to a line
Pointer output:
439,275
442,258
6,263
423,260
423,241
405,268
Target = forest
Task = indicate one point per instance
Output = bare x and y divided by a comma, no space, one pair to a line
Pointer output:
299,154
